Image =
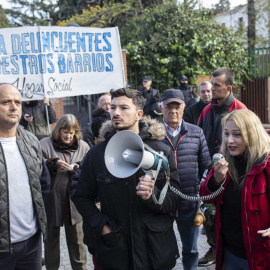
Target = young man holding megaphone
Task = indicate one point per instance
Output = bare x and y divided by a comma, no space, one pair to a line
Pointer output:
132,231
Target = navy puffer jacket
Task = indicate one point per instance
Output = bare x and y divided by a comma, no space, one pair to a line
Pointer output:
192,158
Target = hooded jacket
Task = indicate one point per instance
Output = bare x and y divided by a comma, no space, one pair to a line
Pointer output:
210,121
142,235
31,152
255,215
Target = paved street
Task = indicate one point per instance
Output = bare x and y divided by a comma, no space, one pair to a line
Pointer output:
65,264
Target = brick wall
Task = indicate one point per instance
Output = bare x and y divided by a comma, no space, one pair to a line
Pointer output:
202,79
58,106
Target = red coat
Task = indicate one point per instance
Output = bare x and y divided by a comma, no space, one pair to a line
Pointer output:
255,216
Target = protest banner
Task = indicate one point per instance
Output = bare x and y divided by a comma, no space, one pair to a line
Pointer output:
61,61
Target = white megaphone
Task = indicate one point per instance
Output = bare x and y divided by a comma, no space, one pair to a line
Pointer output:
125,154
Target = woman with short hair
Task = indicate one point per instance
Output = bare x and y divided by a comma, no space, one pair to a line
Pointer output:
243,208
63,152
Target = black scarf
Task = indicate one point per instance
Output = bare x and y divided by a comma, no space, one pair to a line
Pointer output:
63,147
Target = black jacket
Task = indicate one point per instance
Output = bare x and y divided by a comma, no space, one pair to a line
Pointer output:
188,93
152,96
31,152
192,113
88,135
192,158
142,234
210,121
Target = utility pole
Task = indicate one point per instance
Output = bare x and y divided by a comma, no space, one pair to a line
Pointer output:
251,24
48,20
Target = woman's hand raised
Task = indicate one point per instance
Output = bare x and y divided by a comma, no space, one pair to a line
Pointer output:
221,168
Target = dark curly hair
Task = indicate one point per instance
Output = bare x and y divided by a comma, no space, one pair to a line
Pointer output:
135,95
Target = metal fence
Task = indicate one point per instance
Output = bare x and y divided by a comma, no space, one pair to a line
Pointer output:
81,107
255,96
259,62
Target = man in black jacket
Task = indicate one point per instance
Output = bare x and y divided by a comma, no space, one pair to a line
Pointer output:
188,91
192,113
192,157
131,232
104,102
152,98
22,212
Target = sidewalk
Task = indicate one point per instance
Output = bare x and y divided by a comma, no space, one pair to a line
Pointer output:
65,263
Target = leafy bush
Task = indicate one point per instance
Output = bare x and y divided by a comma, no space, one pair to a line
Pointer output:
171,39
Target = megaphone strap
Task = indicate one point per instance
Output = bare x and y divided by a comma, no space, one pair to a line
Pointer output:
152,150
165,188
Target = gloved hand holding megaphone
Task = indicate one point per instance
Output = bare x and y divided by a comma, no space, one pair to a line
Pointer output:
124,159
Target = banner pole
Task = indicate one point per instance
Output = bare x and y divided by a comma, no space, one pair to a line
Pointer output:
48,121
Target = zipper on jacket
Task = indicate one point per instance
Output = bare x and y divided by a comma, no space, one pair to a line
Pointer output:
175,149
247,224
10,247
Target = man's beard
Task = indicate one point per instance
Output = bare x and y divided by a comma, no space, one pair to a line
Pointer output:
123,127
119,128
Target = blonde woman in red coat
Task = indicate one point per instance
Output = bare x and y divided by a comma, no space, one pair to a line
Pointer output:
243,208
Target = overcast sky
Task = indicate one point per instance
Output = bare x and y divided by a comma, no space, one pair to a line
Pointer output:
4,3
206,3
234,3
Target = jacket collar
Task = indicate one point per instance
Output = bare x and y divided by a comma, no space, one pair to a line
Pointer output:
18,133
204,103
260,163
224,105
148,91
149,129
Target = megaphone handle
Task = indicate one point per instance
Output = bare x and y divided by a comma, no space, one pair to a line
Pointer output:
150,174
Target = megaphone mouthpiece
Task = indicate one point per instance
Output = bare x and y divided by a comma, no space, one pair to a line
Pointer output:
132,156
144,159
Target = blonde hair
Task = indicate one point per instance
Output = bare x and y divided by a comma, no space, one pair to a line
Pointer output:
69,122
254,135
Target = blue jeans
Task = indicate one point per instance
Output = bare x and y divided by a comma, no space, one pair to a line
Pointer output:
189,236
231,262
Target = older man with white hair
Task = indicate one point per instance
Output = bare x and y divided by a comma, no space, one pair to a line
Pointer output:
104,102
192,157
192,113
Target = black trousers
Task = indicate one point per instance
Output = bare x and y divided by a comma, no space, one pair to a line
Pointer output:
26,255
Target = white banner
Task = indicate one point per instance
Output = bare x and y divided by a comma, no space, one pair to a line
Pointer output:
61,61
